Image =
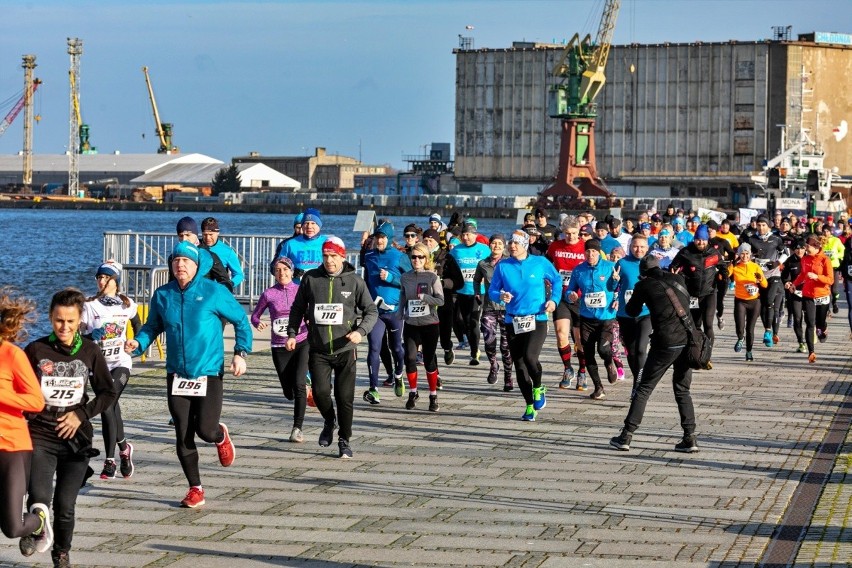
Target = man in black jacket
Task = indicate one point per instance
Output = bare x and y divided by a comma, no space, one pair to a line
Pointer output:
668,347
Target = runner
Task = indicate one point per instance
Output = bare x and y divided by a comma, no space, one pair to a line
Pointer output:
305,250
420,295
792,269
211,242
190,311
291,366
493,315
106,316
726,250
833,250
748,278
769,253
635,331
594,283
62,432
20,392
446,312
520,282
335,303
566,254
815,281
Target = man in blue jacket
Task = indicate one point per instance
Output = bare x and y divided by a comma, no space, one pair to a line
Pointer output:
189,309
635,331
228,256
305,250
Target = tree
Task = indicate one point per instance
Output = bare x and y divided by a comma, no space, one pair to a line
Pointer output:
226,180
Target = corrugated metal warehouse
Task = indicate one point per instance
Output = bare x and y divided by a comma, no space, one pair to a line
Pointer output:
673,119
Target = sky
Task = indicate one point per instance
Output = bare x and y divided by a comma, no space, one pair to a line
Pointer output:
373,79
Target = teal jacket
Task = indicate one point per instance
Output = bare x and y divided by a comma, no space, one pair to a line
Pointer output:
192,321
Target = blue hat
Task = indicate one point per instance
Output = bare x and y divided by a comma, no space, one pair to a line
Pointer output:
385,229
187,225
645,226
677,221
313,215
299,218
664,233
111,269
187,250
696,219
702,233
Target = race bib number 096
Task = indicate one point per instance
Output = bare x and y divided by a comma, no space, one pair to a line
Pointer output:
189,387
328,314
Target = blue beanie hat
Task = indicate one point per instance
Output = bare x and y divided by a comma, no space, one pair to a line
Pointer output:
111,269
187,225
385,229
299,219
702,233
313,215
187,250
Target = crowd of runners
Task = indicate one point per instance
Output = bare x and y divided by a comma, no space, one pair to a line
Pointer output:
422,297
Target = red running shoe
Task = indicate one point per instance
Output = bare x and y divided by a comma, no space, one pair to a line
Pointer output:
226,450
194,498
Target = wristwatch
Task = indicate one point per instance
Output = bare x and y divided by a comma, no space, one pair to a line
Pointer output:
242,354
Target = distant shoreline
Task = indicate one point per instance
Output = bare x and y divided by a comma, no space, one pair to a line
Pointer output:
330,207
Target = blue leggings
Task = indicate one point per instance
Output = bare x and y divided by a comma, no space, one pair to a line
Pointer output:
391,324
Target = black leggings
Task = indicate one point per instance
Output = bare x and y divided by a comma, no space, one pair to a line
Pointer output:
771,299
815,319
721,292
704,314
292,369
14,476
195,415
745,318
111,422
525,349
469,311
425,336
596,335
794,306
635,335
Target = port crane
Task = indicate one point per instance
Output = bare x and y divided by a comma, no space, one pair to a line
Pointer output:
16,110
580,72
164,129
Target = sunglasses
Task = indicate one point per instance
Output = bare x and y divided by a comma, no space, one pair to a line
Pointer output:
410,235
418,257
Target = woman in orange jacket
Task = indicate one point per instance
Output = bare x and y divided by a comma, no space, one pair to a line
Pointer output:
19,392
815,281
748,278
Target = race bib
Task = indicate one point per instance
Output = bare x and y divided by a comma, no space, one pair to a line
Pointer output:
751,289
797,293
62,392
467,274
595,299
566,277
824,301
523,324
189,387
328,314
849,270
417,308
279,327
693,303
112,348
627,295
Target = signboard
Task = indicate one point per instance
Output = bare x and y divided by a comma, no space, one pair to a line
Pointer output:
365,221
746,215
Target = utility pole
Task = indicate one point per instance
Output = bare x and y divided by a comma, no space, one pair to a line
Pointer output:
29,64
75,50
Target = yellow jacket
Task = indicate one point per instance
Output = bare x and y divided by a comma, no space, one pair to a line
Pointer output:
747,276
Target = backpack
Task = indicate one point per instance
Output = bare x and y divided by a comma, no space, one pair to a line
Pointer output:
699,348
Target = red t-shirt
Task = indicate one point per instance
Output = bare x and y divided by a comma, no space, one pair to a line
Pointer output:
566,257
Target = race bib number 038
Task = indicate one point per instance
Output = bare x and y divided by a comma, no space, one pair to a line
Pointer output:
112,348
328,314
523,324
189,387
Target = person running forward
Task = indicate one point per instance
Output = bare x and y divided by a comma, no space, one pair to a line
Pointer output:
635,331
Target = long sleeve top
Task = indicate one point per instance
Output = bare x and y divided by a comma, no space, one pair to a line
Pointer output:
20,392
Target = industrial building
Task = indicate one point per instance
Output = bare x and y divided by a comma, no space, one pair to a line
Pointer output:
674,120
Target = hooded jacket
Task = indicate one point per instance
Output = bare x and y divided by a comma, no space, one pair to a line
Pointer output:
701,269
820,265
347,289
651,292
191,319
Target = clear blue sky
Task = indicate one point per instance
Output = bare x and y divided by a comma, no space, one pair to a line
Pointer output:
283,77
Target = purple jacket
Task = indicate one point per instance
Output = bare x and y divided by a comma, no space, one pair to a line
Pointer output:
279,300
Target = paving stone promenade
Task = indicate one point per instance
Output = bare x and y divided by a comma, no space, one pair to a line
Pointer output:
473,485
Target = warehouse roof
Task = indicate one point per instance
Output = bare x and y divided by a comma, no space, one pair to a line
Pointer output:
102,163
251,175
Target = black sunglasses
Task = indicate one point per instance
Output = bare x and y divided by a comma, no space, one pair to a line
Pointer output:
410,235
418,257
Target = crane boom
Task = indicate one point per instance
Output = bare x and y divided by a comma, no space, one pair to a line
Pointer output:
164,130
594,77
16,110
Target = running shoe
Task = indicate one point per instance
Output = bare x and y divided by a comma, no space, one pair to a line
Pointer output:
567,377
599,394
822,335
539,397
43,537
611,373
789,321
225,448
687,445
738,346
194,498
389,383
296,435
419,357
449,356
582,381
27,545
61,558
433,403
474,358
834,307
749,356
440,384
492,373
720,323
812,358
802,348
529,414
108,472
621,442
398,386
343,449
89,473
463,344
775,339
126,459
412,400
327,434
620,372
767,338
372,396
508,386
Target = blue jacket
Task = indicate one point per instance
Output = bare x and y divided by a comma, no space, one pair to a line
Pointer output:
305,253
685,237
629,271
608,243
229,258
396,263
191,320
467,258
525,279
587,280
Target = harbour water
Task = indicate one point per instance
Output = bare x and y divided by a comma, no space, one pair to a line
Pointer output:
44,251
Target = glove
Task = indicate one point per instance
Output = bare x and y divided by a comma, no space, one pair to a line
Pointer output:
98,334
